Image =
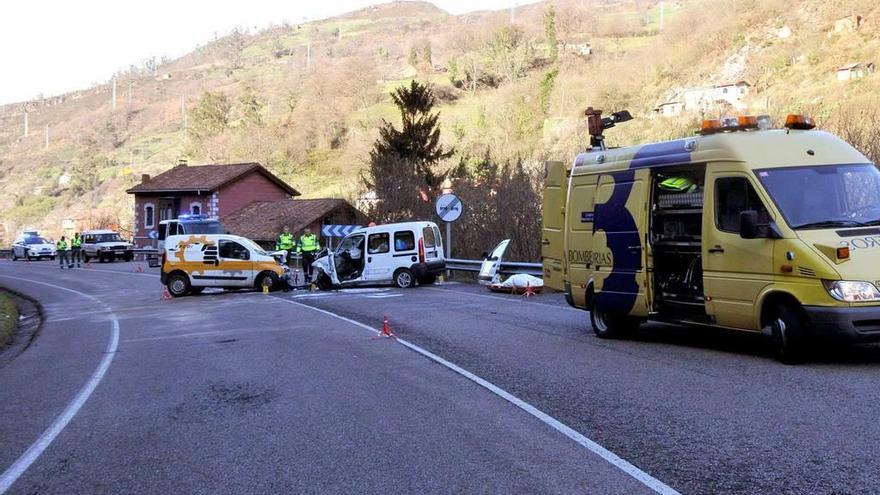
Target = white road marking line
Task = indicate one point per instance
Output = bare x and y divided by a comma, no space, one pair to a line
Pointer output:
508,299
383,296
8,478
646,479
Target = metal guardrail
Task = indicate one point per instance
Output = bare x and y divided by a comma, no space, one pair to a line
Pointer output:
5,253
507,267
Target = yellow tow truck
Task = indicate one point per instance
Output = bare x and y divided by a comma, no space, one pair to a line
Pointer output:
742,226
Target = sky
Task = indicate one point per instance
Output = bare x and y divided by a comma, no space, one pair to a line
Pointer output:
55,46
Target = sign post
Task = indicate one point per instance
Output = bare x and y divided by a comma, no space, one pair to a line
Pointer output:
448,208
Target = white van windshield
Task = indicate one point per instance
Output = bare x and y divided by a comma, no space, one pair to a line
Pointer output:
825,196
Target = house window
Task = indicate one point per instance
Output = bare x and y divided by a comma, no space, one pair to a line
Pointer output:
149,217
195,208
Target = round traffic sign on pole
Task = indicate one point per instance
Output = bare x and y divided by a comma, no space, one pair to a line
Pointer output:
448,207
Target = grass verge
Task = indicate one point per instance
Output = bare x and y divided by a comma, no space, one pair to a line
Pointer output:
8,319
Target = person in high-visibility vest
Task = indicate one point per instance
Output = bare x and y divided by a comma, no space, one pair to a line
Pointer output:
309,247
76,250
61,247
678,184
285,241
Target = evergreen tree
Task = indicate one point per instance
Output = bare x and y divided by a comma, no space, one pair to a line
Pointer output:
403,161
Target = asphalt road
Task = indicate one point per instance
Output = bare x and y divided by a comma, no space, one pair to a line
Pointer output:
242,392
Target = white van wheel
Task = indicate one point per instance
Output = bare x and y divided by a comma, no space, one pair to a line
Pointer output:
178,285
404,278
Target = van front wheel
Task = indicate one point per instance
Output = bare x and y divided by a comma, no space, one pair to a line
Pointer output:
790,333
611,326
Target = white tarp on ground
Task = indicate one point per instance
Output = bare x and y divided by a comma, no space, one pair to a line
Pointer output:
520,281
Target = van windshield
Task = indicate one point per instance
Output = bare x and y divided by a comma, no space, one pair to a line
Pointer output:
203,227
107,238
825,196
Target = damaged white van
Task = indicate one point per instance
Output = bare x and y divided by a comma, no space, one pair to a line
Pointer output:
402,253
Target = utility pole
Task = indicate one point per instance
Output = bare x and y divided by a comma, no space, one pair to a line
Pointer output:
512,12
183,111
113,101
47,136
662,14
309,56
25,123
129,96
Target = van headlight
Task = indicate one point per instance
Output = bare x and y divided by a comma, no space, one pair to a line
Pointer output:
850,291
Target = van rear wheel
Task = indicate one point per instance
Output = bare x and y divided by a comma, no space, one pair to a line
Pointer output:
404,278
609,325
178,285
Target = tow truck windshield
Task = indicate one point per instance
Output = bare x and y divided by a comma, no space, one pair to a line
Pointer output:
826,196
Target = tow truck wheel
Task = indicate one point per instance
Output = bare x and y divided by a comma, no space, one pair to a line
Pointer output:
178,285
790,334
611,326
404,278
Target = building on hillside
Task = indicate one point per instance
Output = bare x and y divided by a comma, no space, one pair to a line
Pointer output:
214,190
851,72
848,24
261,221
709,99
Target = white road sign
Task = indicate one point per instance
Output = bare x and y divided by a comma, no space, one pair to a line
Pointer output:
448,207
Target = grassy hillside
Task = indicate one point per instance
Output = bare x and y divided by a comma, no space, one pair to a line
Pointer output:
306,100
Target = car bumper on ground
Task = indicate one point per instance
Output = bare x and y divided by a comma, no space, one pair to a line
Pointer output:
850,324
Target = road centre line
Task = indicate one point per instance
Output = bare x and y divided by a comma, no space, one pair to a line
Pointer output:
8,478
646,479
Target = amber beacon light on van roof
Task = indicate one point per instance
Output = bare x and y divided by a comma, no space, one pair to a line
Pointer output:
751,122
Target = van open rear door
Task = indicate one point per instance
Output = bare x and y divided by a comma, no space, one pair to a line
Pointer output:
552,250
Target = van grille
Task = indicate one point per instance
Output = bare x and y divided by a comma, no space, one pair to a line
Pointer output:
806,272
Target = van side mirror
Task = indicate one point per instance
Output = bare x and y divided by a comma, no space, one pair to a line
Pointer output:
748,224
485,254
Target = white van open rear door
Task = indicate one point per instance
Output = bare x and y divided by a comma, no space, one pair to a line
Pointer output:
492,263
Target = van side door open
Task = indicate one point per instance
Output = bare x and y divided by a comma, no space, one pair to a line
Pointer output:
735,270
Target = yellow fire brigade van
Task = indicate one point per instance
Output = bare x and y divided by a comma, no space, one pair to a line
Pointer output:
741,226
190,263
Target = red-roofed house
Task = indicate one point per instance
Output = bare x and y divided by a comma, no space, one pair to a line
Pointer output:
249,200
213,190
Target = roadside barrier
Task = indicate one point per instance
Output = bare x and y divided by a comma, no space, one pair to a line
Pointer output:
506,268
385,331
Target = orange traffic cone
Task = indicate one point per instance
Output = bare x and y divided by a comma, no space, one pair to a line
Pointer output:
165,294
139,269
385,331
529,292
